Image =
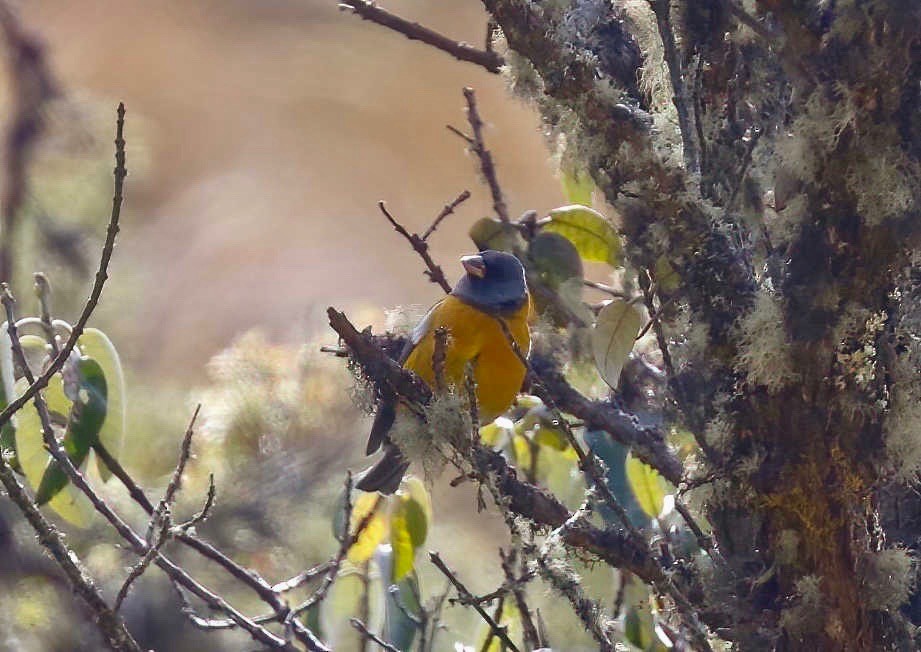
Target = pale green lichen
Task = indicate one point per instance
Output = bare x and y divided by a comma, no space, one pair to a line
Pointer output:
786,551
902,429
446,423
887,578
784,225
806,614
885,185
814,133
719,433
764,350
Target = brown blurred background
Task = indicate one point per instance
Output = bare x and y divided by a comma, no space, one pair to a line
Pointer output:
261,135
269,130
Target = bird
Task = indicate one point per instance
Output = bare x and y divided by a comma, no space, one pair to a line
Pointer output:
493,287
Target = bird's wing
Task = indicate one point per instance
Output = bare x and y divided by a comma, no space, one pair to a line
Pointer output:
386,411
386,474
419,332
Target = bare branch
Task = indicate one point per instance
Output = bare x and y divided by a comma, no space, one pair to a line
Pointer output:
141,566
461,51
447,210
477,144
467,598
138,545
662,10
532,638
110,624
435,273
361,627
101,276
43,291
346,540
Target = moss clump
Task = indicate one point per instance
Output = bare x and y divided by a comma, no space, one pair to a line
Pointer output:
764,350
806,614
887,578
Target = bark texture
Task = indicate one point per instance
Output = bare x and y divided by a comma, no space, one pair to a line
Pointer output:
769,152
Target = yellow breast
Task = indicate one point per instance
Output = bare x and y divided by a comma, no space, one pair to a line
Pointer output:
476,337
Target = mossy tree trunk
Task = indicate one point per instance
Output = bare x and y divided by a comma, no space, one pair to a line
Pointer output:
768,151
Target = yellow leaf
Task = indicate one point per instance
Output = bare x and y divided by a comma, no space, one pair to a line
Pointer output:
373,533
522,448
589,231
647,485
408,531
613,337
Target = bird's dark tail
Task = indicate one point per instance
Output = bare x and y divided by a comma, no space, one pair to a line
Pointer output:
386,474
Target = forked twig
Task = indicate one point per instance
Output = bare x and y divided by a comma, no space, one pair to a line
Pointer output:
466,597
488,59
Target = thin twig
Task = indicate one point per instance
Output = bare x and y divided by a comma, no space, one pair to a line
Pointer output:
43,292
302,578
205,510
703,540
467,598
447,210
434,272
145,562
367,633
346,540
497,616
108,621
247,576
607,289
184,454
531,636
588,610
478,145
662,10
491,61
102,275
460,134
161,516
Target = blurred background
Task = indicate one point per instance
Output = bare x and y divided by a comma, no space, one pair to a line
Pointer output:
260,137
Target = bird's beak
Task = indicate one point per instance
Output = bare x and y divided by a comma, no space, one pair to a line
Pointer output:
474,265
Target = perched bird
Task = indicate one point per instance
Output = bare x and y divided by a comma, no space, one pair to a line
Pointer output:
493,286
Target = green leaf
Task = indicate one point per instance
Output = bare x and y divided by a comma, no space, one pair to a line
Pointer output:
614,456
83,425
342,603
415,488
488,233
647,485
96,345
593,236
577,187
555,259
400,605
408,530
613,337
70,503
